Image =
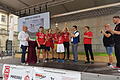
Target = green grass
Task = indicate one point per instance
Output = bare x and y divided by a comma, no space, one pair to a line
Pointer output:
96,53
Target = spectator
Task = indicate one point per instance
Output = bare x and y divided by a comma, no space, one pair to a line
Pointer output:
108,42
116,32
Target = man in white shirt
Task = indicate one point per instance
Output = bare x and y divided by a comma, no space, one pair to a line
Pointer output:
23,37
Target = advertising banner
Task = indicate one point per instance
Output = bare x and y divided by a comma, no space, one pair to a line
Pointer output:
55,74
13,72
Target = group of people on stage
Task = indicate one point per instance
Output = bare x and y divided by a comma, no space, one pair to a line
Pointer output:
58,43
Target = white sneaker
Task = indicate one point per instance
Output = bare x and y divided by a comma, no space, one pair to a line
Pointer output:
26,64
22,63
37,62
111,66
44,61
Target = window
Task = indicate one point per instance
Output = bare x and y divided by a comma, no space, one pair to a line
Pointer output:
11,18
3,18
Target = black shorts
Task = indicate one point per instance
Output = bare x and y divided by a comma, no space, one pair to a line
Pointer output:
66,44
47,48
41,47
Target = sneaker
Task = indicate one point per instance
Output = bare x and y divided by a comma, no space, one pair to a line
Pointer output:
92,62
26,64
44,61
108,64
58,60
62,61
67,60
111,66
115,67
38,61
22,63
75,61
87,62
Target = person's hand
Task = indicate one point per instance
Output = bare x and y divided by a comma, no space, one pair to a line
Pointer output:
71,34
102,31
27,39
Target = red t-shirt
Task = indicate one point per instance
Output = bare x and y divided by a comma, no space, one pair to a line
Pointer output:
88,40
60,39
47,42
41,38
66,36
51,40
55,37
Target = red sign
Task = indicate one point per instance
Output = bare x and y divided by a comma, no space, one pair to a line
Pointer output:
6,72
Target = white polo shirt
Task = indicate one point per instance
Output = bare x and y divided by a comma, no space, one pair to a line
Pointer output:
22,36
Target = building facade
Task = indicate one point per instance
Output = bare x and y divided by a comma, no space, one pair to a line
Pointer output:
5,24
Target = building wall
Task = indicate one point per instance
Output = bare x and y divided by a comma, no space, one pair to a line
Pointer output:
4,28
6,24
3,38
95,24
3,25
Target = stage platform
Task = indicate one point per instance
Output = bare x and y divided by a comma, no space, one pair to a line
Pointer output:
98,68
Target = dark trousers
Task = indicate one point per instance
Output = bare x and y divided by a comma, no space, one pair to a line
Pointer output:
88,49
66,46
117,54
23,53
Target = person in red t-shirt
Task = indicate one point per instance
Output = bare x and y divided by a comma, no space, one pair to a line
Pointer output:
88,35
47,44
51,43
60,47
55,40
40,38
66,36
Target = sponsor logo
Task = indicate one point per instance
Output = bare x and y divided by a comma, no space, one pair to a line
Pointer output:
16,77
40,76
6,72
27,78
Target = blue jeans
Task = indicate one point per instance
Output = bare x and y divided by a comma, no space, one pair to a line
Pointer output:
109,50
75,52
23,53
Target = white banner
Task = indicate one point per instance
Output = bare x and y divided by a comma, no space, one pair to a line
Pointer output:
55,74
34,22
13,72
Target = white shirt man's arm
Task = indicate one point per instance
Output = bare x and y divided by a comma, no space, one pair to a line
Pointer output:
75,35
